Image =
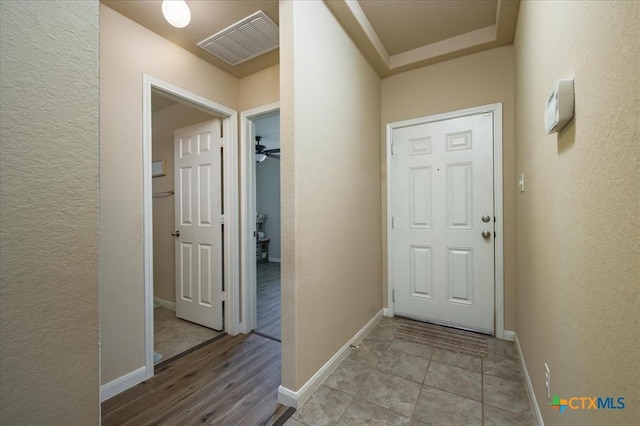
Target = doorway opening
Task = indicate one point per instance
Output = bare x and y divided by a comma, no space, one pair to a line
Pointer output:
267,190
260,215
174,332
200,199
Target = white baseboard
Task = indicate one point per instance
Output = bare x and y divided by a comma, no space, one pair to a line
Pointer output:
165,303
274,259
509,335
532,395
288,397
387,312
295,399
123,383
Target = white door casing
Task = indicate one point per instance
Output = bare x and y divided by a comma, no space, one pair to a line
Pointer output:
229,119
199,219
248,280
441,185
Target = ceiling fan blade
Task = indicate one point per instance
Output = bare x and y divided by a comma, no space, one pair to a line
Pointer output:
262,150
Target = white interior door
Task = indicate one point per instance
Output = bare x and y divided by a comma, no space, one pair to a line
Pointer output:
198,218
443,222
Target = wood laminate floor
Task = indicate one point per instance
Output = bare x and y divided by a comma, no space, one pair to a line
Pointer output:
232,381
268,291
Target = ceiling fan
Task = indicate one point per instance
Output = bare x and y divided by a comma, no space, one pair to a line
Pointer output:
262,153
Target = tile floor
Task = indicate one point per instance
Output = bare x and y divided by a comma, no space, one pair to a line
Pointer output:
392,382
173,336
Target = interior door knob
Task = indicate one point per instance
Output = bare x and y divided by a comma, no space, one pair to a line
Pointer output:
486,234
176,233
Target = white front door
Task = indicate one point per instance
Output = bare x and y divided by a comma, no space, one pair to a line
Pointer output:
443,222
198,219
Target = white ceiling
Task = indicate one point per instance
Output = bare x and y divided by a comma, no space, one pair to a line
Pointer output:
394,35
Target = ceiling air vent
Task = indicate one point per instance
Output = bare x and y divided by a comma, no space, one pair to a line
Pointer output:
244,40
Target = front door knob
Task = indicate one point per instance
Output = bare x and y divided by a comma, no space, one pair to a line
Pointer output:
176,233
486,235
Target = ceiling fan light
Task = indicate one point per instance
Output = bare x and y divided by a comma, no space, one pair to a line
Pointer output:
260,158
176,12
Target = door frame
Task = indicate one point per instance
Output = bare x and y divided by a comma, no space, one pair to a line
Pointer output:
496,109
231,241
248,279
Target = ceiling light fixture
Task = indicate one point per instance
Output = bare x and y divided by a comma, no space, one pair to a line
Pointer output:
176,12
262,152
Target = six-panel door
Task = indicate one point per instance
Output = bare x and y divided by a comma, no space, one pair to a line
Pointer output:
198,219
442,267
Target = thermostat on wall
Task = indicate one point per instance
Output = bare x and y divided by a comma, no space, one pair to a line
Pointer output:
559,109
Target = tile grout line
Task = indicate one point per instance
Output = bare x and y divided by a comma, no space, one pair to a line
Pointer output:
413,417
357,395
376,369
385,408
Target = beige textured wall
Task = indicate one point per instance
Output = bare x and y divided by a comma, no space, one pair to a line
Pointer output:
478,79
164,122
49,362
127,50
579,217
259,89
330,174
288,288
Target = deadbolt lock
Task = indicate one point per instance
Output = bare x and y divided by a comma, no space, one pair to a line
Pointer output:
486,218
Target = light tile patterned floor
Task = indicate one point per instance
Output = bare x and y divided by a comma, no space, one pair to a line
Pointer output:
392,382
173,336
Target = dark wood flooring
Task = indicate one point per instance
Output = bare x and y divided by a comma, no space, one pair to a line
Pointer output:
268,289
232,381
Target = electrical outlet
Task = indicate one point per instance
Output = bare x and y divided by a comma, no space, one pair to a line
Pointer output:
547,379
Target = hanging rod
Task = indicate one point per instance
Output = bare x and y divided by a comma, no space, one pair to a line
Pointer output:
164,193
